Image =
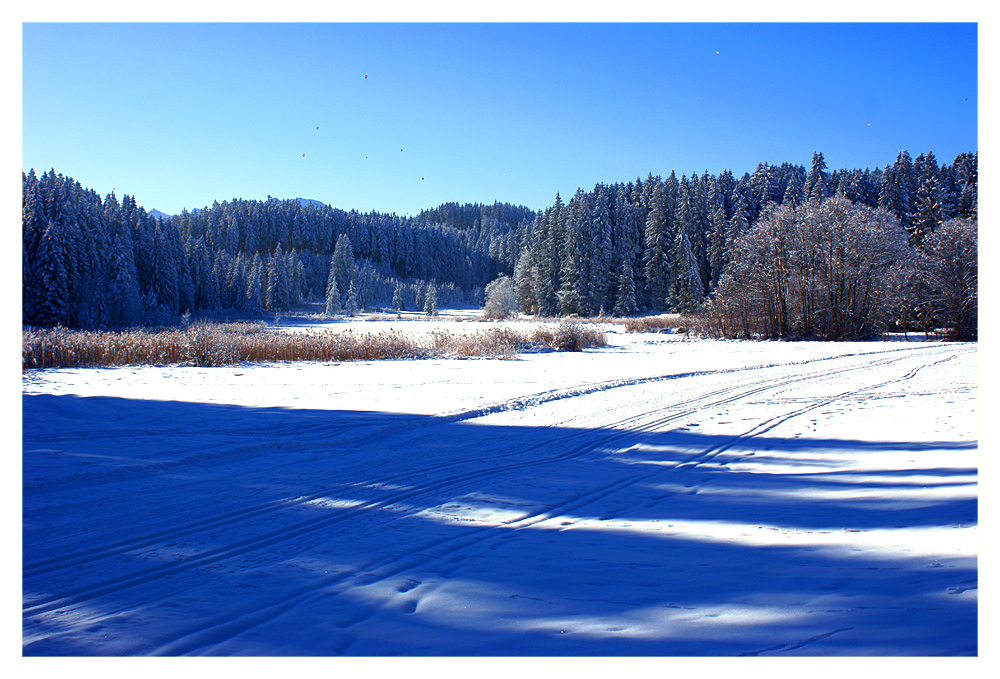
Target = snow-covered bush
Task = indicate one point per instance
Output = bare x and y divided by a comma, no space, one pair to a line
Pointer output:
501,302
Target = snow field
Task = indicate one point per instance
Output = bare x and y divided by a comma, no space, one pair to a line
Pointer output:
656,497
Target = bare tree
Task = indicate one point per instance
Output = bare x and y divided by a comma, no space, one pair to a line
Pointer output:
501,301
950,272
817,270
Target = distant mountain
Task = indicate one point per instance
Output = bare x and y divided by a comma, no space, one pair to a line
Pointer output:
195,210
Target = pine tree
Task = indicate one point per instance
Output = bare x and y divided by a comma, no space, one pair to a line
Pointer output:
967,181
571,294
165,270
718,248
397,298
124,305
277,294
51,284
430,301
602,255
905,188
343,267
656,252
352,301
686,289
625,305
793,193
817,181
929,211
332,298
524,288
236,283
255,274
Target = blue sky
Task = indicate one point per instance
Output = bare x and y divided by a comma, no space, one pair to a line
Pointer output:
179,115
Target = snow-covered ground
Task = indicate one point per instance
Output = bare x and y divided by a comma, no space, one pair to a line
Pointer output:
659,496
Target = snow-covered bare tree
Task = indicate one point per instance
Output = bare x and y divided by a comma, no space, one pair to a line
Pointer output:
820,270
501,302
951,274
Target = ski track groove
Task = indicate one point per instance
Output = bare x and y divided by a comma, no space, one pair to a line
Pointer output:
627,427
228,518
377,571
391,566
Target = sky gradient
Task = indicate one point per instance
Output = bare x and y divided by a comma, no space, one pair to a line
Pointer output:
402,117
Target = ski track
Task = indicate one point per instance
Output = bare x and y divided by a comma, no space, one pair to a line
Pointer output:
445,478
230,628
679,411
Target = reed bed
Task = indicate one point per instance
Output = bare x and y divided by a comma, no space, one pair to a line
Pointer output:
205,344
655,323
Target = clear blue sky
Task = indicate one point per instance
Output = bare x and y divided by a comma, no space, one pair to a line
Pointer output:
179,115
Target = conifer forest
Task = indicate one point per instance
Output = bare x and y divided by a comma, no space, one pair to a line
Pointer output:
785,251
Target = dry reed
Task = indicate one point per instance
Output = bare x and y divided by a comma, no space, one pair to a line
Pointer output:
205,344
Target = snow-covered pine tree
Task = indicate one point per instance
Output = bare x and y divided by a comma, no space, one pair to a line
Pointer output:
967,181
571,293
686,289
625,304
656,250
430,301
276,294
352,301
398,304
602,255
929,211
255,276
817,181
165,270
718,248
236,282
523,283
124,307
793,193
51,285
342,265
332,298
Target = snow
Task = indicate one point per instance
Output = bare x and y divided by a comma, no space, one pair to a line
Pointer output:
656,497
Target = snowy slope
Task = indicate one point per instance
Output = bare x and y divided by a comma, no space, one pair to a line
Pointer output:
655,497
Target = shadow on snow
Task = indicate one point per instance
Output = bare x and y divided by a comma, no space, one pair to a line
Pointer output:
318,521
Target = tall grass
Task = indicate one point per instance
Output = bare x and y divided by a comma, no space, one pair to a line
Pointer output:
674,323
205,344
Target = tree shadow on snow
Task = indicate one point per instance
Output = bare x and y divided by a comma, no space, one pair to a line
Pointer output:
191,528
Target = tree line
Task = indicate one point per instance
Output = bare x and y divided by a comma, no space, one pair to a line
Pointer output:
92,262
651,245
664,244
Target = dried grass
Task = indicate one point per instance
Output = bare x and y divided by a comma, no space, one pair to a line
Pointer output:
205,344
655,323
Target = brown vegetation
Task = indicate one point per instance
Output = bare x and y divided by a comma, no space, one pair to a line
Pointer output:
205,344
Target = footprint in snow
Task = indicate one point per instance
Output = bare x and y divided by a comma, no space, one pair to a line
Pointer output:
408,585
